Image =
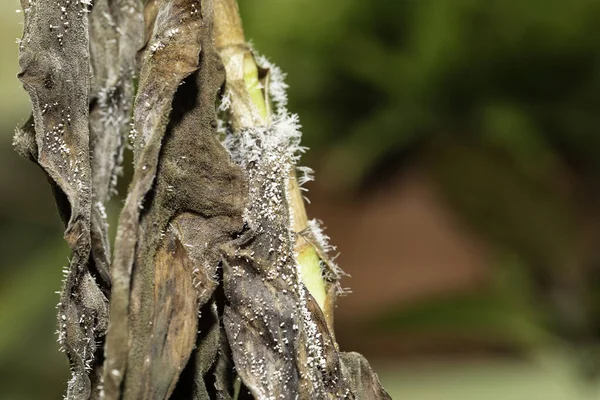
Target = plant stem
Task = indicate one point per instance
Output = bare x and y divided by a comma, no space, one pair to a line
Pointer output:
250,108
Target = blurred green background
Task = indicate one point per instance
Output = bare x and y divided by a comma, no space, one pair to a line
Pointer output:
457,149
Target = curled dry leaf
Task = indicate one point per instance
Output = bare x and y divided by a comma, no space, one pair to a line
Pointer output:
184,185
55,61
116,28
152,109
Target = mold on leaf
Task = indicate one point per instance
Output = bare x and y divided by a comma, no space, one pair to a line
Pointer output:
219,286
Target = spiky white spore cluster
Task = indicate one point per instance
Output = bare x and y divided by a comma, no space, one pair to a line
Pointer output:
331,271
317,230
277,86
280,139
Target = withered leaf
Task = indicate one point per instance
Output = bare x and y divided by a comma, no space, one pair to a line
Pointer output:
197,193
361,378
55,61
281,342
162,347
160,75
116,29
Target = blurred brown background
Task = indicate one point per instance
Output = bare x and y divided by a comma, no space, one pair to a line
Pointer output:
457,150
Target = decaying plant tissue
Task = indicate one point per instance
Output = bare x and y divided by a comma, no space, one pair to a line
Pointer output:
219,286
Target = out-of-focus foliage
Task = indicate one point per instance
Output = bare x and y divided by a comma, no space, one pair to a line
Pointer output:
369,78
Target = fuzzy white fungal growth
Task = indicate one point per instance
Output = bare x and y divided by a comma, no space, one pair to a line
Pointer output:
319,235
102,210
156,46
225,102
277,86
305,175
280,139
162,42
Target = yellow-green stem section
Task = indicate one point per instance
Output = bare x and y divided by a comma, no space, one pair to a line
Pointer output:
253,86
310,270
307,256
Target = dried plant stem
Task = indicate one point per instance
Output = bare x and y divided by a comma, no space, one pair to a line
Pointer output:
217,270
250,108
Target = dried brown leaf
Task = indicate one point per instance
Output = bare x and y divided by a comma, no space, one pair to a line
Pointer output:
184,184
54,59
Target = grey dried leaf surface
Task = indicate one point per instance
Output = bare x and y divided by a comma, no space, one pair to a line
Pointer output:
152,109
186,198
116,30
55,60
362,380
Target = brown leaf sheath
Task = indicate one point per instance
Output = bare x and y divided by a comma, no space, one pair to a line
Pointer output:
153,105
192,196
